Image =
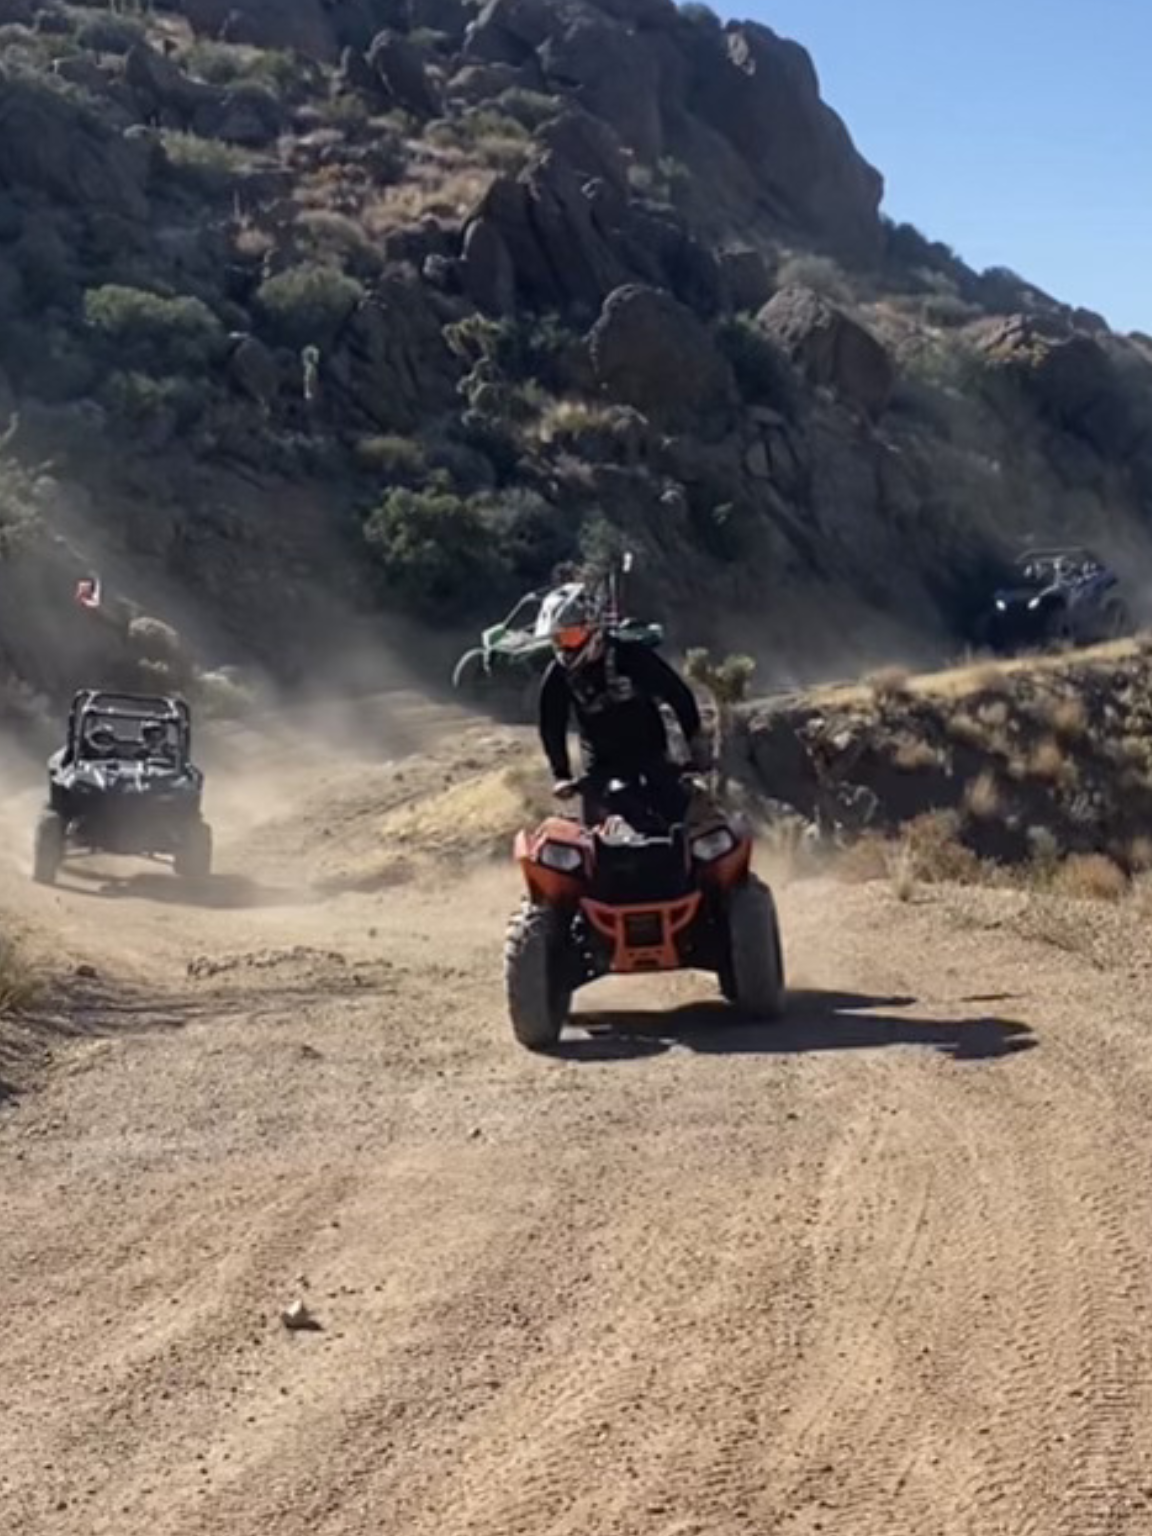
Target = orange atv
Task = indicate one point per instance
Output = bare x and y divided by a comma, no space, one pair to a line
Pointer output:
615,900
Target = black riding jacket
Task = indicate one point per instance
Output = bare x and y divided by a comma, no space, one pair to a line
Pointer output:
616,703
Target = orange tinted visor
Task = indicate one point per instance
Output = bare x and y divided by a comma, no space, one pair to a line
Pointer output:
573,636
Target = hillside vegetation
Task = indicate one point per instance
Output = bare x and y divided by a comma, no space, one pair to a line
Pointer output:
313,312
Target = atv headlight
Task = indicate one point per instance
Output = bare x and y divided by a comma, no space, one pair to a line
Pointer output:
713,845
561,856
1033,604
1001,605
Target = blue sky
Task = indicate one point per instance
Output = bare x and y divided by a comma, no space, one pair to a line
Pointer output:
1019,131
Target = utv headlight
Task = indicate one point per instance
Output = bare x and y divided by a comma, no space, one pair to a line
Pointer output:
1001,605
561,856
1033,604
713,845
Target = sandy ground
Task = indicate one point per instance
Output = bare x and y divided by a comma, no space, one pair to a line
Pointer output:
881,1268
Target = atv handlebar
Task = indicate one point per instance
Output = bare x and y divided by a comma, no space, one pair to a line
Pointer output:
569,789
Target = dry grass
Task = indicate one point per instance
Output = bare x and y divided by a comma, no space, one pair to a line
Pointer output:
913,754
967,731
889,683
1048,763
902,870
865,860
430,188
982,798
567,421
1091,877
1068,718
21,984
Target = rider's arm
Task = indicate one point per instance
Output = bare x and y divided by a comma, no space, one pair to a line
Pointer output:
653,674
555,702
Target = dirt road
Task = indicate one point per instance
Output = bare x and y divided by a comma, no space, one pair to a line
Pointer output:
883,1268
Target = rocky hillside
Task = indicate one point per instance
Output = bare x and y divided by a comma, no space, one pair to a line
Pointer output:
317,310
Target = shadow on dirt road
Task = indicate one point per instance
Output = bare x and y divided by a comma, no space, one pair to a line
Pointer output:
814,1021
219,892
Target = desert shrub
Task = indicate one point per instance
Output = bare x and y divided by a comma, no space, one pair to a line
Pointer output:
531,109
446,555
1091,877
400,459
728,680
435,549
110,34
144,397
763,374
306,305
157,335
20,982
208,165
336,241
232,63
820,273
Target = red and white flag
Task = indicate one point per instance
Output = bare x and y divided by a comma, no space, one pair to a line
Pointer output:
88,592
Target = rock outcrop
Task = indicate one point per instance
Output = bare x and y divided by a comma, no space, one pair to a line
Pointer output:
829,348
650,352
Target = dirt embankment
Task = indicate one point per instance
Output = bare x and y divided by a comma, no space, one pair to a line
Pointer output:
1019,761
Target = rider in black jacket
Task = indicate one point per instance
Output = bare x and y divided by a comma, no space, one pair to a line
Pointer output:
614,689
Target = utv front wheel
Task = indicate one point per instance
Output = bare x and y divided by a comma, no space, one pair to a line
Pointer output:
48,852
754,976
193,860
538,1000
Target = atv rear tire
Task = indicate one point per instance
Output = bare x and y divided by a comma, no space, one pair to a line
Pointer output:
193,860
538,1001
48,851
754,977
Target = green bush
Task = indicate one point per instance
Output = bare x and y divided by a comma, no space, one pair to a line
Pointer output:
435,549
400,459
110,34
142,398
531,109
307,305
142,330
231,63
447,556
208,165
764,375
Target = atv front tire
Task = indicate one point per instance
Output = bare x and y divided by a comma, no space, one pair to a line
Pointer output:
48,851
754,976
538,1000
193,860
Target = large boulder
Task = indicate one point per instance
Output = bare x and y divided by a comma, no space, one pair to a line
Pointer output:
573,238
508,31
829,348
1070,377
612,72
488,274
762,93
54,146
304,25
650,352
401,69
391,368
560,257
589,145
